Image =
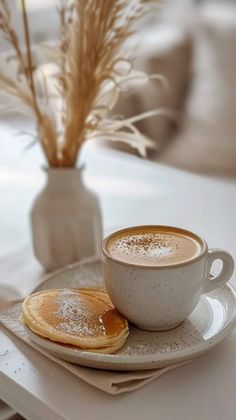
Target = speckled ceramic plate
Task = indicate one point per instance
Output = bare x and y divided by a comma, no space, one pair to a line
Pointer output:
212,320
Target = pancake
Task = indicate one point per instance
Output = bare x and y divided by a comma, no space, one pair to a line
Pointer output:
84,318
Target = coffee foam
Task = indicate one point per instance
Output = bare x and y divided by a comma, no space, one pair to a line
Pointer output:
153,247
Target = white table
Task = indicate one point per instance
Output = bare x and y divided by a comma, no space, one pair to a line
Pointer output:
132,191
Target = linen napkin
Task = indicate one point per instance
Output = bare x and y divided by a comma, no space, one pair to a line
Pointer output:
112,382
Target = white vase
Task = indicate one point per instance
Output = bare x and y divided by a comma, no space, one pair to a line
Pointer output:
66,220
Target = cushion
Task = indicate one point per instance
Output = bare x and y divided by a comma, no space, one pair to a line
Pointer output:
166,51
207,140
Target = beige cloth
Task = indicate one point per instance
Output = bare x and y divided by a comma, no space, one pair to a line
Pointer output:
19,271
112,382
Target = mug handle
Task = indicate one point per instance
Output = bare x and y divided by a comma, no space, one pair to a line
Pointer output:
213,282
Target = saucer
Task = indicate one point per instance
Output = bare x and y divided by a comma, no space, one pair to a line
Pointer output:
210,322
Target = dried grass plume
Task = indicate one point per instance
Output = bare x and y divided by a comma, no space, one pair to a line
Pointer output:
90,68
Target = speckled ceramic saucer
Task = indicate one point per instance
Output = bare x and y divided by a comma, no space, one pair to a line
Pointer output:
212,320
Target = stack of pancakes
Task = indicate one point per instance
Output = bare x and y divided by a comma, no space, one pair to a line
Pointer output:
84,318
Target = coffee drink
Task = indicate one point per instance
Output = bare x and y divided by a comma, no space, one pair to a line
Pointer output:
155,275
154,246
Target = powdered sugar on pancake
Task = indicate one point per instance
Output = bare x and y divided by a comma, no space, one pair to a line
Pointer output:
75,316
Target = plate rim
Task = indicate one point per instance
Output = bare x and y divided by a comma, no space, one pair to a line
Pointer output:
176,355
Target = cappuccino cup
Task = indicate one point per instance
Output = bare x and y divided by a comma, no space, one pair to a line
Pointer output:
155,275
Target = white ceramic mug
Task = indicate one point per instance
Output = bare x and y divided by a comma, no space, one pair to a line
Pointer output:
161,297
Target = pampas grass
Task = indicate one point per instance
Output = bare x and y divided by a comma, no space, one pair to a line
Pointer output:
91,67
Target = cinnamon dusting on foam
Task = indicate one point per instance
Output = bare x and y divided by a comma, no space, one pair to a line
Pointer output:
153,247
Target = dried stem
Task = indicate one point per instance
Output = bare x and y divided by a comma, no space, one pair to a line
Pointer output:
29,57
66,18
10,35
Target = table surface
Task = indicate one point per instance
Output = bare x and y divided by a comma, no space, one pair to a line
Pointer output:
132,191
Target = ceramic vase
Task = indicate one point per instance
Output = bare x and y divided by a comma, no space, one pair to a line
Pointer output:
66,220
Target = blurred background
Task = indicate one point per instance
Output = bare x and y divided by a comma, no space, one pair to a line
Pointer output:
192,44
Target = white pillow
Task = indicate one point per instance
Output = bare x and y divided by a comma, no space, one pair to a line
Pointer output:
207,140
166,51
